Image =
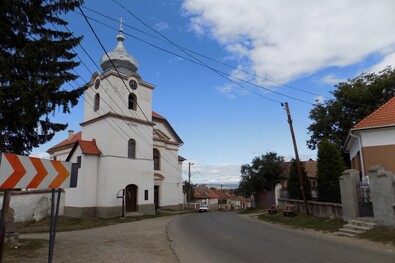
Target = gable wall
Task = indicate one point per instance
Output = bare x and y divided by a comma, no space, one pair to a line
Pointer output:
84,195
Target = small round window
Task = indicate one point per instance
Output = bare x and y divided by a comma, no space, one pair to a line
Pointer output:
97,84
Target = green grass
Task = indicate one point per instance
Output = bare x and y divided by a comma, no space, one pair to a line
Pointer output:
25,248
251,211
305,222
70,224
382,234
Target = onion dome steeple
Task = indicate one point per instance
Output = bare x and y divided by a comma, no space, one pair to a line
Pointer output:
122,60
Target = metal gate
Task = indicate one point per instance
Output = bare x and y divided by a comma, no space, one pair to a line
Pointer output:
364,201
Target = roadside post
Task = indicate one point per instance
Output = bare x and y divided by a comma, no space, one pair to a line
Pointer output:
123,193
18,171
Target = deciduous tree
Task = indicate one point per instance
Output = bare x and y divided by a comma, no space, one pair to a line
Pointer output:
36,59
263,174
353,101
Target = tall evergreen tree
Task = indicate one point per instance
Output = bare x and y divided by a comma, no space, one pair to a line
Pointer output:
330,166
35,61
293,186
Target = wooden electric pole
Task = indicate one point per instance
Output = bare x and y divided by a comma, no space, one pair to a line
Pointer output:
189,181
297,157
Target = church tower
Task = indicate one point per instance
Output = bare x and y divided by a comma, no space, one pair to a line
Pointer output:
124,148
118,116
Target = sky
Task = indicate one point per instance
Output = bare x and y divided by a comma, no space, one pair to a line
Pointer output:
222,68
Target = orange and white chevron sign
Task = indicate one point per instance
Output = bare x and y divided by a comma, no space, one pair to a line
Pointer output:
18,171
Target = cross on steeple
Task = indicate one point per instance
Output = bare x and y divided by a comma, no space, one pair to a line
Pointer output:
120,25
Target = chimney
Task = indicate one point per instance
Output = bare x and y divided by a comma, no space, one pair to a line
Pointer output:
71,134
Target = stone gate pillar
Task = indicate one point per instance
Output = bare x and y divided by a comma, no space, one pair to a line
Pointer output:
382,188
349,182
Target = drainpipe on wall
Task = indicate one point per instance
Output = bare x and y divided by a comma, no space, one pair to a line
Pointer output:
360,150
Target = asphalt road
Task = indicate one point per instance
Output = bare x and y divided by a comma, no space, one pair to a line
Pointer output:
228,237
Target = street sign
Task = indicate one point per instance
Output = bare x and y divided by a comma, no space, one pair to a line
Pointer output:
17,171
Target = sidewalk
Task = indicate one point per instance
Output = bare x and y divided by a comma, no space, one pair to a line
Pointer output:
140,241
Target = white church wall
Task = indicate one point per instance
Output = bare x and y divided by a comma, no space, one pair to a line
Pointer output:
116,173
112,137
61,155
171,186
165,130
114,97
84,195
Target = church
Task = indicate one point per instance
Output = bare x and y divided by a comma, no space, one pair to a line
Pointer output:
123,148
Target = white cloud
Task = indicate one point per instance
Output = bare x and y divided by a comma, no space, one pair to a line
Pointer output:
286,39
41,155
221,173
388,60
162,26
332,79
319,99
175,60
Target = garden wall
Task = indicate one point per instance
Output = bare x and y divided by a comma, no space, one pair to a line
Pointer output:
33,204
318,209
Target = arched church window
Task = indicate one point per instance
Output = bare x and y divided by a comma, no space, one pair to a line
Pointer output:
132,101
156,159
132,149
96,103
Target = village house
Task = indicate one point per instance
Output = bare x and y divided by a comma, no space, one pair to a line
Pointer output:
123,148
204,195
372,141
311,171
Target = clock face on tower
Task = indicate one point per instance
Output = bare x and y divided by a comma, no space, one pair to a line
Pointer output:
97,84
133,84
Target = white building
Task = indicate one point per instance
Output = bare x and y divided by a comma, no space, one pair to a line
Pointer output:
123,145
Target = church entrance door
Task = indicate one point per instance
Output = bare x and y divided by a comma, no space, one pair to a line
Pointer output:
131,198
156,196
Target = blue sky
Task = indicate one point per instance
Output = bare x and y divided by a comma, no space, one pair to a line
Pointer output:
225,122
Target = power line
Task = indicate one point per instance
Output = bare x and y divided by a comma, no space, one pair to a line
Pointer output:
144,138
200,63
183,49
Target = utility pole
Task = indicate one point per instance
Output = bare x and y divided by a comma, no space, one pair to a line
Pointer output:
189,181
296,157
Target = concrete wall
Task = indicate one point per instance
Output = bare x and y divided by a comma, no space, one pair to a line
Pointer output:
33,205
382,188
318,209
349,183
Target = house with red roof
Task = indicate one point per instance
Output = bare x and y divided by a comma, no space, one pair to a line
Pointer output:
311,172
204,195
124,149
372,141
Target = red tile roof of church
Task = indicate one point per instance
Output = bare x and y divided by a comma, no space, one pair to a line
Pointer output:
383,116
89,147
154,114
67,142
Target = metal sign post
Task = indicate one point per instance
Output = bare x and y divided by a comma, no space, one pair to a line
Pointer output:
4,215
17,171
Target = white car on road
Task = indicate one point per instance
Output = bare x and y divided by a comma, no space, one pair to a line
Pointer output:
203,208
